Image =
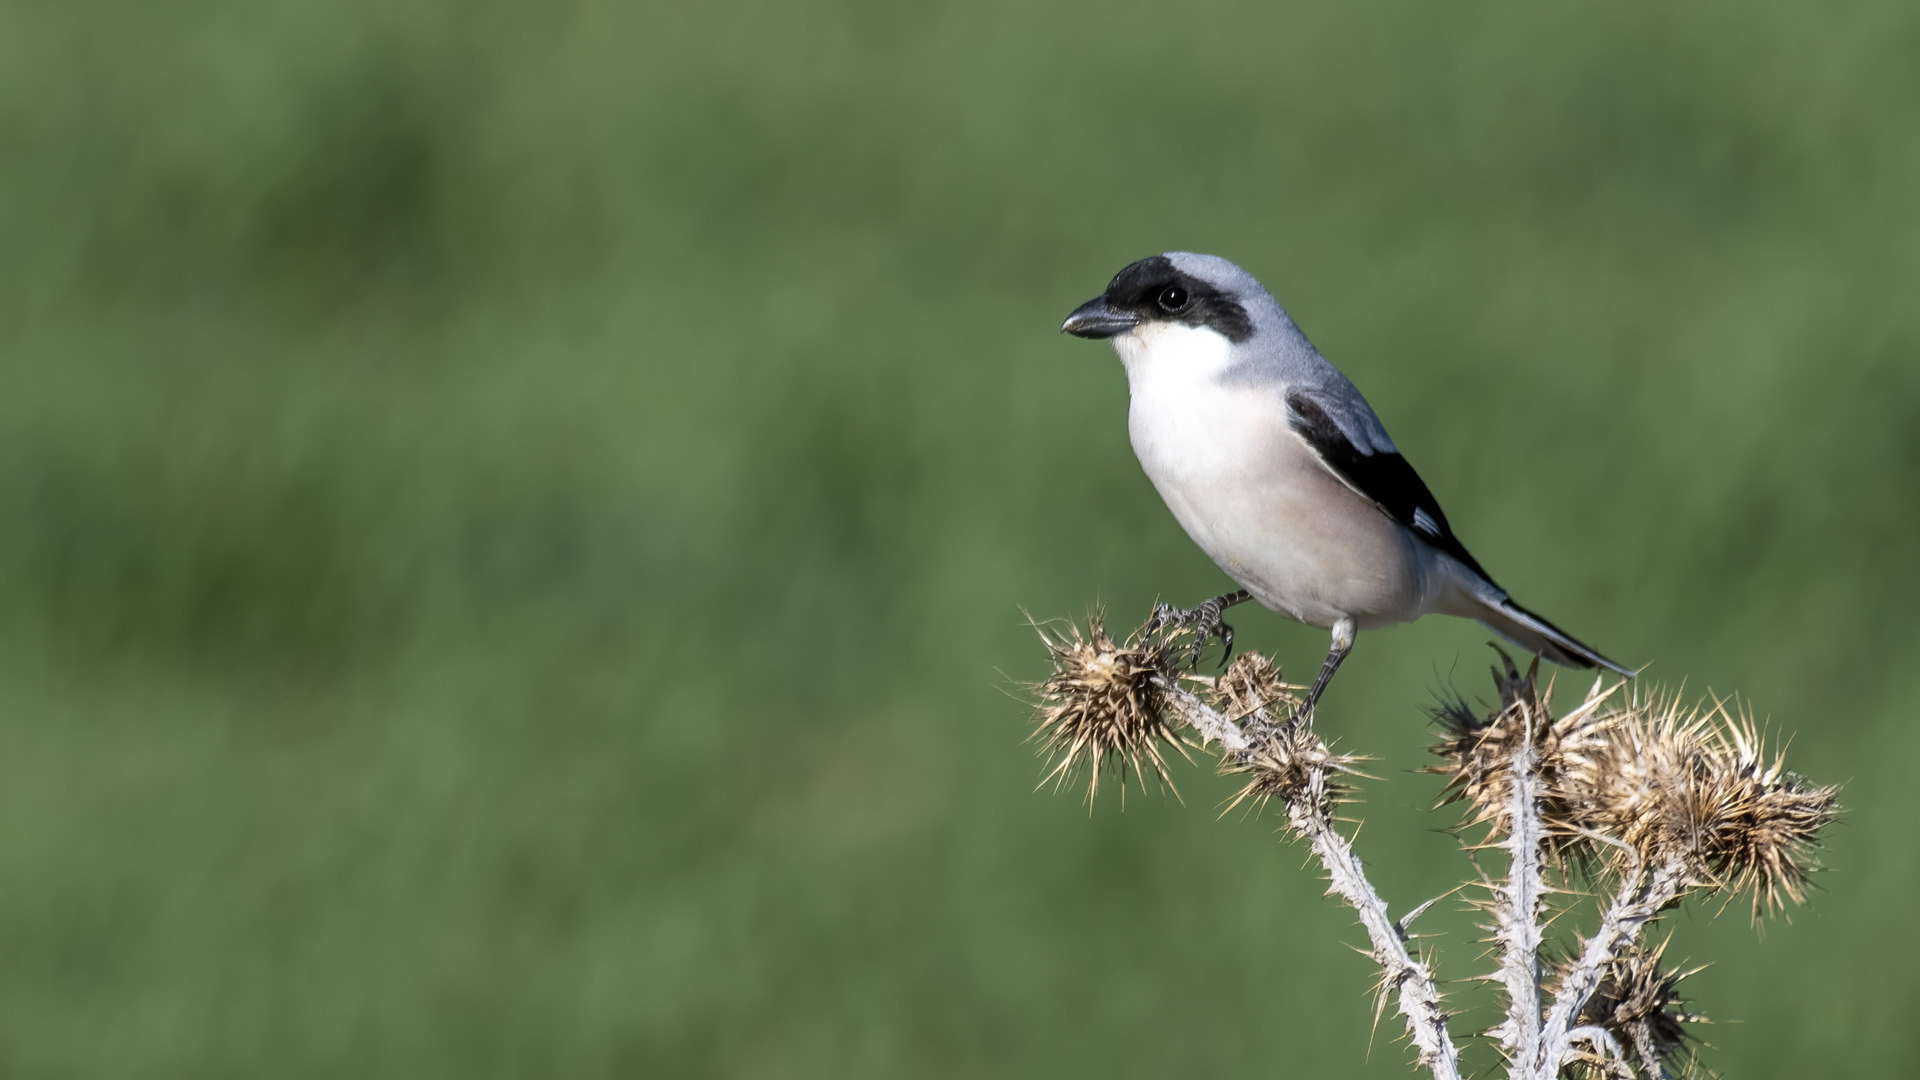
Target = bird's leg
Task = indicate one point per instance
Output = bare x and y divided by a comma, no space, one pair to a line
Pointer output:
1204,619
1342,645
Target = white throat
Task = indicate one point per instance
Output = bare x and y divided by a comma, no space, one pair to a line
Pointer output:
1184,418
1163,355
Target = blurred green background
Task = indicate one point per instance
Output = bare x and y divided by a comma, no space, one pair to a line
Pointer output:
513,516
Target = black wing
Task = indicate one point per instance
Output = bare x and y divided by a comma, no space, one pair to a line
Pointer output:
1385,479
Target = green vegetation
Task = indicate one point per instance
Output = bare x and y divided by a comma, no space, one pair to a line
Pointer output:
514,515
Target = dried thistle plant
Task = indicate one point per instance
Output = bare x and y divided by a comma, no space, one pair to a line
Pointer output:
1640,802
1287,761
1104,705
1698,786
1639,1004
1480,754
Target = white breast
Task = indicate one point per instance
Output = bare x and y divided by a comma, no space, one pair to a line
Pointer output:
1183,420
1253,495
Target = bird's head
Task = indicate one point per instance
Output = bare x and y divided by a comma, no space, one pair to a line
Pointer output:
1177,289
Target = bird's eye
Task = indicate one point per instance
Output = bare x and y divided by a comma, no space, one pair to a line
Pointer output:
1173,298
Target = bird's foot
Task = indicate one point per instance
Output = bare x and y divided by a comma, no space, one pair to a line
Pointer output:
1204,619
1343,632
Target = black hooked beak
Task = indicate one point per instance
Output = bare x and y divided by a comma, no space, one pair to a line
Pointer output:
1094,319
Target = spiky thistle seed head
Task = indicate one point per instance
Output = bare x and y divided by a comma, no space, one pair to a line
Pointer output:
1698,786
1766,821
1252,684
1695,786
1639,1001
1285,759
1292,763
1104,704
1481,753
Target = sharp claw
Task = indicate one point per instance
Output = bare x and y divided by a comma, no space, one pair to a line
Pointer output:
1204,619
1164,615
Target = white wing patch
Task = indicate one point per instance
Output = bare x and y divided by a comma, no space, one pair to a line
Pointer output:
1425,523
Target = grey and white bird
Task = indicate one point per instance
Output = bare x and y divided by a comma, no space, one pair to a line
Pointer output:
1276,466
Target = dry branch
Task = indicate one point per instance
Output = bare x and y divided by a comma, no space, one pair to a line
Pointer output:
1661,800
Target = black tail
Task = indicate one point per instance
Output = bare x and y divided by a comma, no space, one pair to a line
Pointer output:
1535,634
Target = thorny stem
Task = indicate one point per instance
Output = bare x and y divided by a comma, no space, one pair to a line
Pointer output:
1402,973
1210,725
1606,1048
1649,1054
1642,895
1407,976
1592,780
1516,910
